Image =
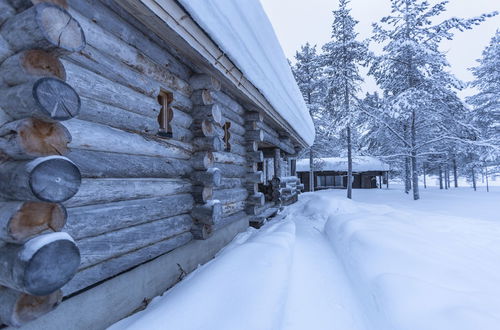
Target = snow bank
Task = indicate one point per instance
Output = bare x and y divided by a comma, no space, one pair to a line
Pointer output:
243,31
419,270
227,293
359,164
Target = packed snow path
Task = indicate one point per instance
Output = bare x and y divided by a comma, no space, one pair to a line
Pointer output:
382,263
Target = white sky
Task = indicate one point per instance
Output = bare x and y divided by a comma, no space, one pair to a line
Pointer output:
299,21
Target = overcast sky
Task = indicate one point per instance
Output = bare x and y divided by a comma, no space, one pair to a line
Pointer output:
299,21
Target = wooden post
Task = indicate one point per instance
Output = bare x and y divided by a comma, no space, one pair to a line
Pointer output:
387,181
425,181
474,178
277,163
311,171
293,167
40,266
50,179
20,221
18,308
380,181
44,26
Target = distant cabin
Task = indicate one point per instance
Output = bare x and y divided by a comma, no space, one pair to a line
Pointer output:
331,173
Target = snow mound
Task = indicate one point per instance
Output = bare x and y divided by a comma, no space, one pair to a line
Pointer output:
338,164
243,31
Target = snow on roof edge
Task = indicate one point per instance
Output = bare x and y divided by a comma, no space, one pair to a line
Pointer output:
242,28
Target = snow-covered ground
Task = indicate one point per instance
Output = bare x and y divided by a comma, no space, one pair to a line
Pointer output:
381,261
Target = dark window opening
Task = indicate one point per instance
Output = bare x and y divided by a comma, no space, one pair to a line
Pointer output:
166,114
227,136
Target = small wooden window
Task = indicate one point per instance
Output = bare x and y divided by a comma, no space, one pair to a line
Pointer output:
166,114
227,136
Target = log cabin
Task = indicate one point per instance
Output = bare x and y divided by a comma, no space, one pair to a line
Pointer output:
137,138
331,173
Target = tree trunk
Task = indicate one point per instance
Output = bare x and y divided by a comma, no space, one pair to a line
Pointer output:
311,170
440,177
455,174
425,180
474,179
446,173
349,163
486,177
416,193
407,175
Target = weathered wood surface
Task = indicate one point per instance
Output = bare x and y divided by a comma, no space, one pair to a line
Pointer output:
232,208
206,128
114,244
202,97
18,308
44,26
201,231
181,118
102,113
210,112
29,65
255,156
226,196
5,52
239,149
212,143
230,219
50,179
212,177
208,213
40,266
202,194
257,199
112,19
45,98
232,171
30,138
114,266
202,160
257,136
237,129
92,85
98,164
204,81
229,183
255,177
229,158
227,101
20,221
257,210
97,137
6,11
93,220
99,191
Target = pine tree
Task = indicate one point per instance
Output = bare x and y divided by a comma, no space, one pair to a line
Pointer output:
412,73
341,59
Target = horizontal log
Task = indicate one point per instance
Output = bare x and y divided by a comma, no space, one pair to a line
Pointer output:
226,196
210,178
99,191
254,116
44,26
210,112
30,138
21,5
87,221
40,266
232,171
98,164
256,177
232,208
252,188
239,149
257,136
202,160
20,221
181,102
18,308
97,137
102,113
251,125
201,194
94,86
29,65
111,267
146,57
256,199
49,179
252,146
109,67
231,116
204,81
228,102
229,183
255,156
258,210
237,129
208,213
6,11
5,52
182,134
300,187
201,231
229,219
213,143
235,139
114,244
205,127
202,97
181,118
229,158
46,98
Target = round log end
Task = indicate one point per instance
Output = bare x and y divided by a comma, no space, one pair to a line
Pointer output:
29,308
59,27
34,218
40,138
56,99
54,179
51,260
207,193
41,63
217,114
216,176
208,159
206,96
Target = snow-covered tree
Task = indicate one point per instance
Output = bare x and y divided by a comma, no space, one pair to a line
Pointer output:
412,72
341,58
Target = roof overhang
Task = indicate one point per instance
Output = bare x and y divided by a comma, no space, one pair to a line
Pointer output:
171,22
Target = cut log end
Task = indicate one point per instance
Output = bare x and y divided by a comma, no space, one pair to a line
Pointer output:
59,28
55,179
56,99
49,262
34,218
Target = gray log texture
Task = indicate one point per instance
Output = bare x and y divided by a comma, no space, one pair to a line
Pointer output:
202,194
228,102
202,97
229,183
50,179
226,196
5,52
256,199
44,26
114,244
29,65
255,156
204,81
181,118
210,112
93,220
202,160
6,11
18,308
257,136
46,98
208,213
229,219
232,208
20,221
99,191
212,177
30,138
255,177
229,158
213,143
98,164
201,231
114,266
232,171
40,266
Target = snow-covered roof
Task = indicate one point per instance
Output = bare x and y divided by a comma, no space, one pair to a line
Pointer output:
338,164
243,31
